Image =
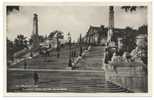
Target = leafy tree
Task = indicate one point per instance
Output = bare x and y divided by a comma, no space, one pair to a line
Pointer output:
130,33
41,38
10,49
56,33
20,42
31,41
130,38
11,8
143,29
51,35
131,8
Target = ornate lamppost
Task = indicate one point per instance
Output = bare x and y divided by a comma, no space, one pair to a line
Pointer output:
58,46
70,58
80,45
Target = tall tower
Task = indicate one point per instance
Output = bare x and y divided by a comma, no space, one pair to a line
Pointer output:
111,24
35,36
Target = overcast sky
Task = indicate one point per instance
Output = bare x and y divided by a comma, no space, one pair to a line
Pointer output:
73,19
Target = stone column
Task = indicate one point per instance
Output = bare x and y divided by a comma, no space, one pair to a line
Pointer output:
35,36
111,24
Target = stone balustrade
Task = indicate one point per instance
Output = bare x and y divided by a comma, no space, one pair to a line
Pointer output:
134,78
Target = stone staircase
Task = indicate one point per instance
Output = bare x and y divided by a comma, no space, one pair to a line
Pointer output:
48,62
75,81
93,60
59,82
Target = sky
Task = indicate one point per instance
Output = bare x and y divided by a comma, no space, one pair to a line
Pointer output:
73,19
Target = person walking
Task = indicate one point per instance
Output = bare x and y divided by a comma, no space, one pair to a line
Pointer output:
25,64
35,78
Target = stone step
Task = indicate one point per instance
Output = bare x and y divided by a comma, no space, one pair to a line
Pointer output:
73,81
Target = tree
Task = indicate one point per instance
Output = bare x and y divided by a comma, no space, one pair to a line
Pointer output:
20,42
130,37
41,38
58,35
31,41
143,29
11,8
51,35
130,33
10,49
131,8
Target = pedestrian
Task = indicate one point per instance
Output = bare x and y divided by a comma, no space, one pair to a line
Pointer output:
31,54
58,52
35,78
74,53
25,64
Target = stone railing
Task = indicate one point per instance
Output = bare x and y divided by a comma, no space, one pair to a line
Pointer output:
132,75
81,56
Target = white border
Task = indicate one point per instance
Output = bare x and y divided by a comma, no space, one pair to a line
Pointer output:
104,3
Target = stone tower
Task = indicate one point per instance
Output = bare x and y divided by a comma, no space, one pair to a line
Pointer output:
111,24
35,36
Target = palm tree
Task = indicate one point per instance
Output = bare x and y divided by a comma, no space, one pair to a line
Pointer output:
131,8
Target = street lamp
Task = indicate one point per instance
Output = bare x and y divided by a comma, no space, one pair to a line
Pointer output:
70,60
80,45
58,46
